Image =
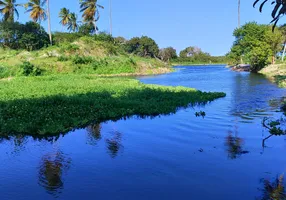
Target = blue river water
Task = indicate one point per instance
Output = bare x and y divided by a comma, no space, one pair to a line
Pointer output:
179,156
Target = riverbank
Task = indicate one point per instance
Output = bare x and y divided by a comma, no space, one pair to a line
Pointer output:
57,104
276,73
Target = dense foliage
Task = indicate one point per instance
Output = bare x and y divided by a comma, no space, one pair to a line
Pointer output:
29,36
256,44
144,46
56,104
167,54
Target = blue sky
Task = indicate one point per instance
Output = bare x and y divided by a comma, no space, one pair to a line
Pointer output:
178,23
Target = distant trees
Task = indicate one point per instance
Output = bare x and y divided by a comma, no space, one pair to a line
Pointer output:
144,46
68,19
256,44
167,54
29,36
190,51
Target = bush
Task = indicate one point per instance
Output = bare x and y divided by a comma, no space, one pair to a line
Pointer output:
28,69
82,60
60,37
144,47
104,37
69,48
63,58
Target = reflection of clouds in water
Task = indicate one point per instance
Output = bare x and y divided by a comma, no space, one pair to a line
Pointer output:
234,145
273,190
51,171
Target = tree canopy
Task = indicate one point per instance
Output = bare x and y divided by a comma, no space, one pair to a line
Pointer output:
256,44
144,46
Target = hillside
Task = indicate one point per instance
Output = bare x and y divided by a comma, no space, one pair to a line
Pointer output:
83,56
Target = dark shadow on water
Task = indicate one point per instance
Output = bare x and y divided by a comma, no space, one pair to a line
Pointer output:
52,168
273,189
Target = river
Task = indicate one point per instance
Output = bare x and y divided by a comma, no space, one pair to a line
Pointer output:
179,156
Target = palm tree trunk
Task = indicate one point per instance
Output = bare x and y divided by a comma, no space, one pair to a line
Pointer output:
284,50
49,22
238,13
110,16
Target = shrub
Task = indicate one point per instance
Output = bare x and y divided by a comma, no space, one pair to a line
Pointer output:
104,37
63,58
60,37
28,69
82,60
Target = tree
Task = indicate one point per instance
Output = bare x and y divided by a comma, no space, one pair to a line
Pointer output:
72,23
36,10
256,44
86,29
144,47
90,15
9,9
29,36
190,51
65,16
167,54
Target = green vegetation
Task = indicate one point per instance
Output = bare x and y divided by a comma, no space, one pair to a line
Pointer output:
276,73
256,45
194,55
77,54
53,104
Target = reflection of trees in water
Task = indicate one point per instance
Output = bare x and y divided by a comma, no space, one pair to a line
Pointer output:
114,144
234,145
93,134
273,190
18,141
52,168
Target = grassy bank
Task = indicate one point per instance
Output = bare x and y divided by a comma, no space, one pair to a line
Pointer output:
83,56
276,73
56,104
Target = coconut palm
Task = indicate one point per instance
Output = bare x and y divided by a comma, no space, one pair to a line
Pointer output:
8,9
36,10
72,22
89,8
49,20
64,15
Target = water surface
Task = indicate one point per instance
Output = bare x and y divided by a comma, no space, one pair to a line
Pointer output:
180,156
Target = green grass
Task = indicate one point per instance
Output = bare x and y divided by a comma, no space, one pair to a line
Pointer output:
51,105
276,73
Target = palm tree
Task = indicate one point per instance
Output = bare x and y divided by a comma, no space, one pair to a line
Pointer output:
36,10
8,9
89,8
72,22
64,15
49,21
